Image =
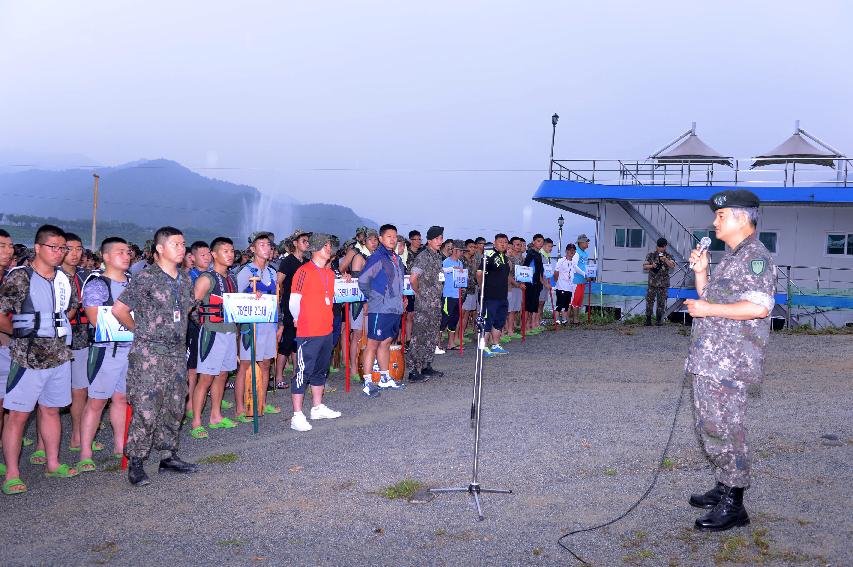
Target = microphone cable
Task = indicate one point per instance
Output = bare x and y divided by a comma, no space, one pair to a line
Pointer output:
645,494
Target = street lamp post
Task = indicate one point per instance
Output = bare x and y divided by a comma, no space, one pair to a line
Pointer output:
554,120
560,222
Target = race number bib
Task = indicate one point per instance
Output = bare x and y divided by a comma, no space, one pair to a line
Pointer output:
460,279
591,271
347,291
407,286
548,271
248,308
524,274
108,329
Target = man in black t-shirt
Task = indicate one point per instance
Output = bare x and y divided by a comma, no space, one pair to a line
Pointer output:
495,284
531,295
296,246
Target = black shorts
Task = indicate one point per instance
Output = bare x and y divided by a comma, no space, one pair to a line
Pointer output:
410,307
531,297
192,345
287,343
449,313
494,312
564,300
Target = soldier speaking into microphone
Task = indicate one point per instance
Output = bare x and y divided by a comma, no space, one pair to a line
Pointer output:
731,328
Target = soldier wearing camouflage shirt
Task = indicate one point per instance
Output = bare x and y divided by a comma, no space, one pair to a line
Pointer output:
161,299
425,279
658,263
731,328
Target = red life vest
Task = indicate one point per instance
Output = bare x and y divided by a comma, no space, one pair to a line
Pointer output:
212,311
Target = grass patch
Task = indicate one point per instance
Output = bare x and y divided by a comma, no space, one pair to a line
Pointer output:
667,464
634,320
229,542
638,539
638,557
806,329
112,467
404,489
537,552
733,549
610,471
219,459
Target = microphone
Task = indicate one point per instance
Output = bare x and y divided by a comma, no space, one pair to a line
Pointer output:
704,244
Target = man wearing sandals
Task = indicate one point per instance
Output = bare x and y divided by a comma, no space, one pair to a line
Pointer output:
217,340
161,299
40,298
107,360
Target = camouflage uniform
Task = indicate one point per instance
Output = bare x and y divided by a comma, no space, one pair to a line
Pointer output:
156,375
726,355
421,351
658,285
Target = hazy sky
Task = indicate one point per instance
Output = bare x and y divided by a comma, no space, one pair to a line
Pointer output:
395,92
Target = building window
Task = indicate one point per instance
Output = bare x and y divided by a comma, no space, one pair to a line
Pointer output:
630,238
839,244
768,239
717,245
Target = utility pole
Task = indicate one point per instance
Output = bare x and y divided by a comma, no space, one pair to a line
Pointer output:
95,212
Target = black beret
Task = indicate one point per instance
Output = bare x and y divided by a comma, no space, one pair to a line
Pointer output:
435,232
740,198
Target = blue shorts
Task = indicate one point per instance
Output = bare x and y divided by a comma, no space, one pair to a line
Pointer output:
313,355
381,326
494,312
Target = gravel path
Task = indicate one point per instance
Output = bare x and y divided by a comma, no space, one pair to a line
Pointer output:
576,435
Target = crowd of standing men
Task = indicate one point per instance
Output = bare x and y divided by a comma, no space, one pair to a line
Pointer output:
123,328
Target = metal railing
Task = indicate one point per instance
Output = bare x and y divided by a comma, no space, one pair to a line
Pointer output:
793,173
680,237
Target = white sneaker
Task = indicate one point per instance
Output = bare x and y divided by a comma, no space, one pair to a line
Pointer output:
299,423
324,412
439,351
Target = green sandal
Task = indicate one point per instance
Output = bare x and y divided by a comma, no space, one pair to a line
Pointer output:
14,483
38,458
2,469
226,405
243,419
86,465
355,378
269,408
62,471
199,432
224,424
333,370
26,442
96,446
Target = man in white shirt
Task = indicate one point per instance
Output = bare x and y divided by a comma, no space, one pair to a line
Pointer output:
563,273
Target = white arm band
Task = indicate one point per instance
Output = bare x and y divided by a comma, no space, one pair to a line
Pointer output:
293,305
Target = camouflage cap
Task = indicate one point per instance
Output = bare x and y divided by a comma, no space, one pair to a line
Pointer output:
361,230
371,233
459,244
318,240
257,235
299,233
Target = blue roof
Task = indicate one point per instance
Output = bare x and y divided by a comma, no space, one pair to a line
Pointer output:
579,191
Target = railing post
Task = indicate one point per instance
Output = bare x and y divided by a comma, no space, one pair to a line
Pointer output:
593,171
788,302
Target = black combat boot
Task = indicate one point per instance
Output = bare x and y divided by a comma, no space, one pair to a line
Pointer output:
431,372
136,473
175,464
659,321
648,322
727,514
709,499
415,376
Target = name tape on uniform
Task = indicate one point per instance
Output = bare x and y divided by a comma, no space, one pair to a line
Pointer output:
524,274
248,308
108,328
347,291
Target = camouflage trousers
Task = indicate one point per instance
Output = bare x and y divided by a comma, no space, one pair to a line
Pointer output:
425,326
720,410
658,294
157,390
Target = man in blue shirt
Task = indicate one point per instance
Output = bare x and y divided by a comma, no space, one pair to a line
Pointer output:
579,278
450,293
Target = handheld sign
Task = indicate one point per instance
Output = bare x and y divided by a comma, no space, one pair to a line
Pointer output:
248,308
591,271
347,291
108,329
441,276
460,279
524,274
548,271
407,286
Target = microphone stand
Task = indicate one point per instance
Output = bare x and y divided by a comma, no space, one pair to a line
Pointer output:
474,488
